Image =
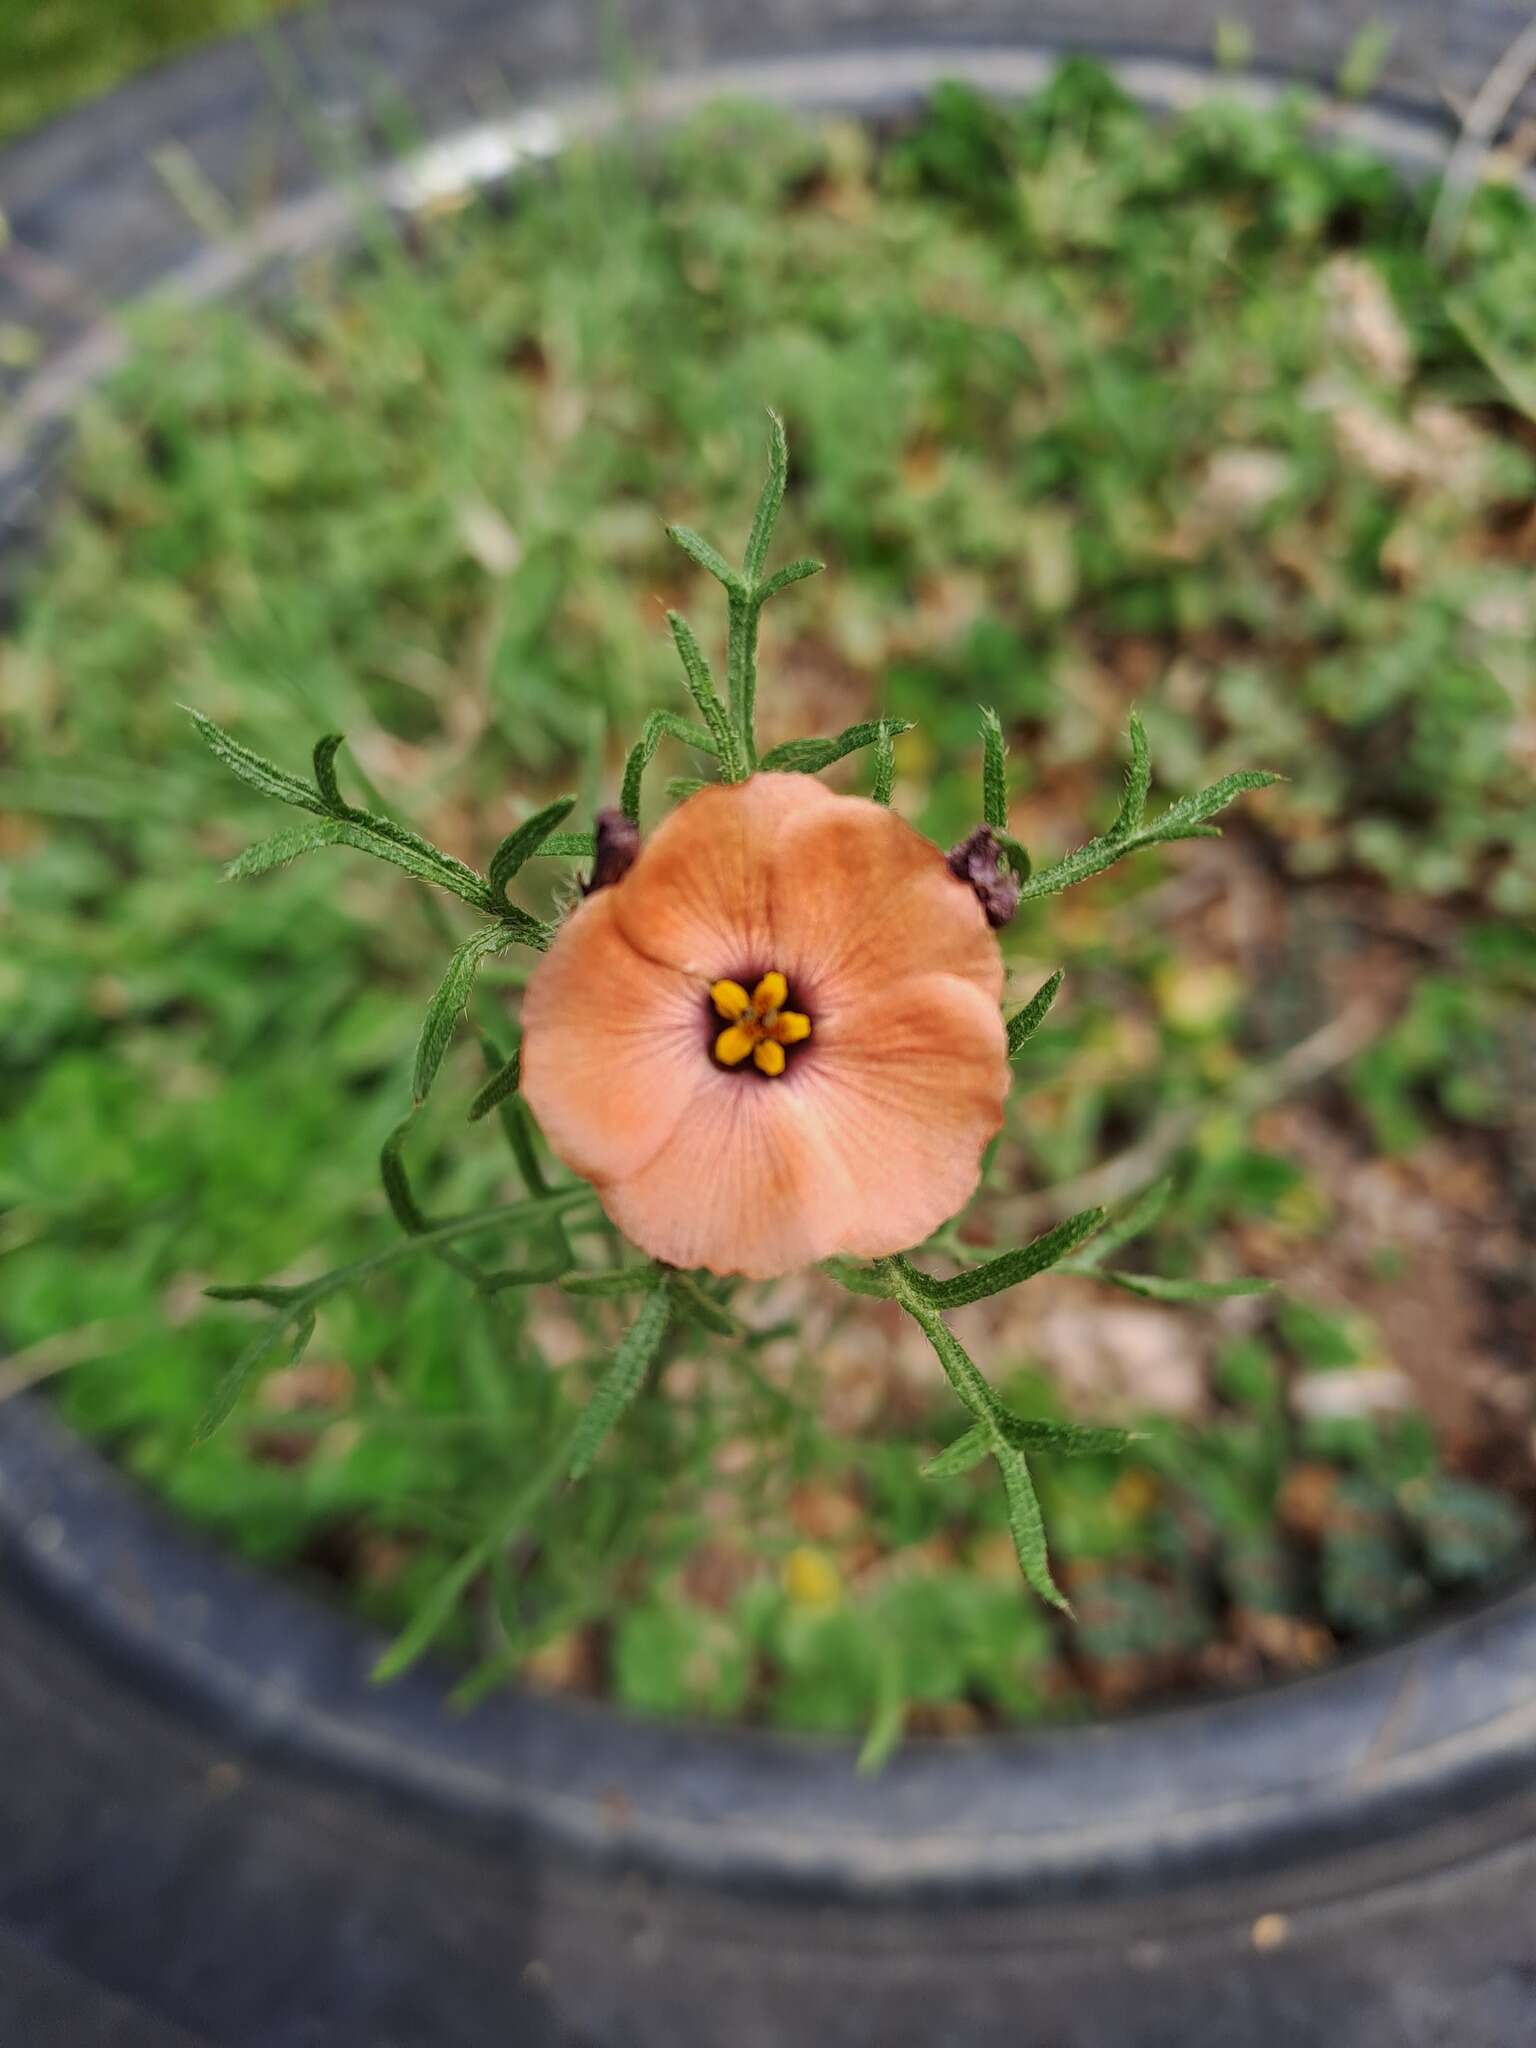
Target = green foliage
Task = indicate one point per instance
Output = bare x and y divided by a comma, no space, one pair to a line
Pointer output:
1018,396
624,1378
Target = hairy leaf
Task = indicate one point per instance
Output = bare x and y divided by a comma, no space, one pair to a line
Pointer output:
810,756
450,1001
701,688
325,773
771,499
284,1341
697,549
522,843
1023,1024
1027,1527
623,1379
994,771
1153,1288
620,1280
1008,1271
501,1085
283,847
792,572
1138,780
255,770
658,726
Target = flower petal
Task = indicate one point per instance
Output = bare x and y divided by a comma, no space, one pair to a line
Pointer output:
861,902
741,1186
697,897
906,1099
613,1045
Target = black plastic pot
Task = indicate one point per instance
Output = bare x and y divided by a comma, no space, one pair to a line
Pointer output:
212,1828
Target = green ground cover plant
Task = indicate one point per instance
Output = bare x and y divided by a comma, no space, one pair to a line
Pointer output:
1091,415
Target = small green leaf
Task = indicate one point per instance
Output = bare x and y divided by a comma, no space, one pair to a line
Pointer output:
522,843
702,690
994,771
1138,780
1126,1224
1065,1439
450,1001
255,770
260,1290
1182,820
658,726
1027,1528
1008,1271
792,572
623,1379
573,845
810,756
697,549
771,499
858,1278
884,783
703,1308
397,1187
620,1280
502,1084
962,1455
1023,1024
297,1326
283,847
680,787
1157,1289
325,774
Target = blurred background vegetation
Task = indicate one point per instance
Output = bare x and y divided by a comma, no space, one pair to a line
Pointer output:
1086,412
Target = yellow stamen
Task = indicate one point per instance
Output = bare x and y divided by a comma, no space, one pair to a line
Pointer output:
757,1025
730,999
735,1043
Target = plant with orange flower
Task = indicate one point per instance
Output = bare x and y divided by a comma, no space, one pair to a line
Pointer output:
769,1034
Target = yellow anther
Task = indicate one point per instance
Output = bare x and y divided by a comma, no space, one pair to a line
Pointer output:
736,1042
730,999
757,1025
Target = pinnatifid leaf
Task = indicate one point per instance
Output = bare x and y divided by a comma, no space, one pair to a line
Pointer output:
1010,1269
1182,820
810,756
1023,1024
623,1380
522,843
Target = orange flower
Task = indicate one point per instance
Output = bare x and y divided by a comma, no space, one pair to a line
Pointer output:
776,1037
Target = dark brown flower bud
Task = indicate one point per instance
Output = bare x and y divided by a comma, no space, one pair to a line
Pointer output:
979,861
618,841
